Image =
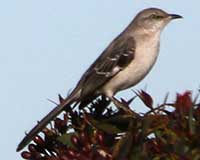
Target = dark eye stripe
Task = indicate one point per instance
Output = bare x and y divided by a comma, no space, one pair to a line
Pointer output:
154,16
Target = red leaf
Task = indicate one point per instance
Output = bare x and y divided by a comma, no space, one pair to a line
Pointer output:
146,98
61,99
183,102
26,155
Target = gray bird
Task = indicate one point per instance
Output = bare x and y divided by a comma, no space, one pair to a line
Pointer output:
124,63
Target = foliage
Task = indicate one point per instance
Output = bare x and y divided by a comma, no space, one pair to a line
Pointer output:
100,132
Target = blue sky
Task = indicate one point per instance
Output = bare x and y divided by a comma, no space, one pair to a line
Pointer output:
45,46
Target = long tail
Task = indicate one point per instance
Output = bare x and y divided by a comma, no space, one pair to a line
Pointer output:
43,123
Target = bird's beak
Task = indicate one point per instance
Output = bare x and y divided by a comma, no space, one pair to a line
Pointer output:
174,16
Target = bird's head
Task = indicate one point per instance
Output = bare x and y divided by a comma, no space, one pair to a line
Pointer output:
153,19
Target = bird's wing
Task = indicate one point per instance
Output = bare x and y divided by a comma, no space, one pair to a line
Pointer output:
114,59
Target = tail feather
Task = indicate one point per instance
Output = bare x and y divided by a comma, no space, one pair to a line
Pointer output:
43,123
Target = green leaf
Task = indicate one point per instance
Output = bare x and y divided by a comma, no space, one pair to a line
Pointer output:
104,126
66,140
191,122
123,147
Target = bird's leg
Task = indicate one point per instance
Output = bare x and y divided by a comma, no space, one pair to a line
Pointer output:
122,106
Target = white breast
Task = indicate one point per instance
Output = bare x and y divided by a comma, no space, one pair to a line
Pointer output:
145,56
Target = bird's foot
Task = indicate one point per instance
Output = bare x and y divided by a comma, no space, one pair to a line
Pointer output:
123,106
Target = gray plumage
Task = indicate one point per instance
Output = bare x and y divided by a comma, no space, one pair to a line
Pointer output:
124,63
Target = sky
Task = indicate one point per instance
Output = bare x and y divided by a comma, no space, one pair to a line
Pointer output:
46,45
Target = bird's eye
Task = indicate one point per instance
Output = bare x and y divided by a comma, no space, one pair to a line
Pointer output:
154,16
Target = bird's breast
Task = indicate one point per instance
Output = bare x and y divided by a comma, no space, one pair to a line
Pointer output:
146,53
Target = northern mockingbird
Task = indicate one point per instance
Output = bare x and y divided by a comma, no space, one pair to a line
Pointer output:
124,63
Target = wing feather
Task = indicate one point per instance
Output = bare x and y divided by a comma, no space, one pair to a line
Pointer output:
113,60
